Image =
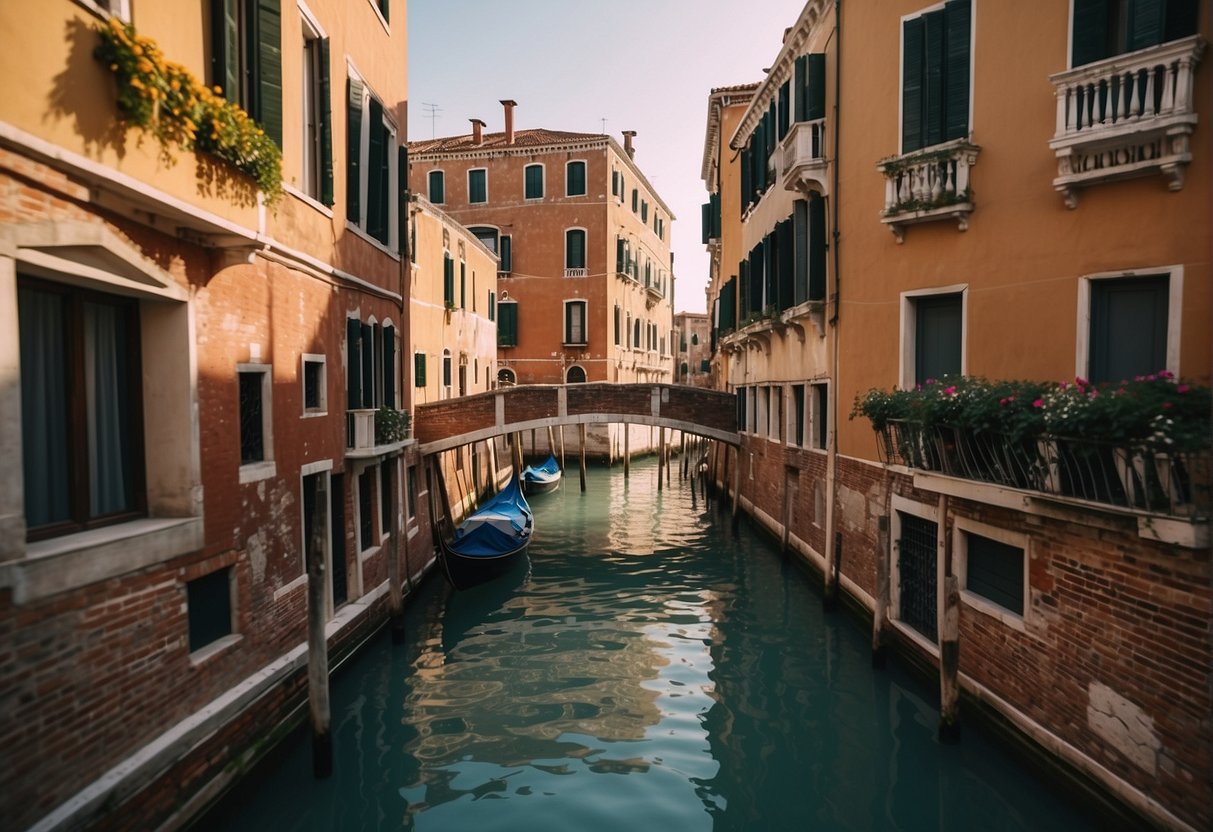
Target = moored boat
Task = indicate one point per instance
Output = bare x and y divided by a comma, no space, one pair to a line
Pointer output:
490,540
537,479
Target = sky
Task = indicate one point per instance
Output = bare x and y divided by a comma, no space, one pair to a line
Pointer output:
643,65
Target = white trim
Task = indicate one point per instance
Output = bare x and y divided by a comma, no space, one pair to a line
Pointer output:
310,201
909,320
960,560
383,21
264,468
314,358
542,167
1175,294
470,171
585,178
310,18
429,195
926,512
585,322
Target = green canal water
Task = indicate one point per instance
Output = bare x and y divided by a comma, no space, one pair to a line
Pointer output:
649,669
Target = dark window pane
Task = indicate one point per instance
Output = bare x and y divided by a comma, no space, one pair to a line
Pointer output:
209,603
575,249
916,565
576,179
44,406
937,341
437,188
534,182
995,571
478,186
252,447
1128,327
313,381
366,517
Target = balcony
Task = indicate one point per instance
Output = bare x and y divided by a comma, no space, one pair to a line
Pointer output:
370,432
928,185
576,272
1129,115
804,163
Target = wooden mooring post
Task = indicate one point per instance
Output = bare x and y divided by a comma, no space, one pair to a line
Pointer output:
661,463
551,441
581,442
317,650
395,589
879,616
682,466
949,662
627,453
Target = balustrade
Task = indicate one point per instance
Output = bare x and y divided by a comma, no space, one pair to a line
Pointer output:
928,185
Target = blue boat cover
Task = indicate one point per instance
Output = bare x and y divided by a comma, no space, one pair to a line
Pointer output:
498,527
548,471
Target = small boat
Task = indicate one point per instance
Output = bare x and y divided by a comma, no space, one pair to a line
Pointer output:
538,479
490,540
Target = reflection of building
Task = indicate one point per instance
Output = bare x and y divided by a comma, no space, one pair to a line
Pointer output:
692,360
948,217
196,390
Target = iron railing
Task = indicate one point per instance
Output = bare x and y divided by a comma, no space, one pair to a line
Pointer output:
1175,484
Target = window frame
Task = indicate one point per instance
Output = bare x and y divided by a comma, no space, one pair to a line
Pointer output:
585,186
265,467
569,305
485,172
219,642
322,361
542,181
909,325
361,227
897,506
901,35
962,527
1175,278
317,175
429,185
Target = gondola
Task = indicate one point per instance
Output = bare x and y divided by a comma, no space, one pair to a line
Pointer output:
538,479
490,540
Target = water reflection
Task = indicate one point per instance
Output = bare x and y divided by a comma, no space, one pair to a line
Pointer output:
644,670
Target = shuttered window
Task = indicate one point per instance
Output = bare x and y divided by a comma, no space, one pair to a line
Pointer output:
317,131
437,187
378,191
353,363
574,179
574,249
935,76
492,306
1128,327
448,281
937,336
574,322
246,59
1103,28
533,182
478,185
507,324
389,366
506,254
371,167
419,369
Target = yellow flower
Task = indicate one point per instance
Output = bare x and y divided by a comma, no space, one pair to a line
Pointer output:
137,50
145,66
174,84
218,90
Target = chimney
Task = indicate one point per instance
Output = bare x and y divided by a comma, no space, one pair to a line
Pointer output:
477,135
509,106
628,135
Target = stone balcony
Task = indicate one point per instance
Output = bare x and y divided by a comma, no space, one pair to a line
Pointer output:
928,185
803,160
1129,115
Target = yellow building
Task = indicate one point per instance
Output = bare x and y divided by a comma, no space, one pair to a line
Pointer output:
1007,196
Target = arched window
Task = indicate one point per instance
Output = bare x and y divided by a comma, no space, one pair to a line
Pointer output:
682,370
694,339
575,375
506,378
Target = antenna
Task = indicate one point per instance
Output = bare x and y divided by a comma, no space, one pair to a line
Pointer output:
604,125
432,111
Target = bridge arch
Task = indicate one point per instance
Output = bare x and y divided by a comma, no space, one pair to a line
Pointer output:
450,423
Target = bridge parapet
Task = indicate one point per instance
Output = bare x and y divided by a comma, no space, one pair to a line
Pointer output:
450,423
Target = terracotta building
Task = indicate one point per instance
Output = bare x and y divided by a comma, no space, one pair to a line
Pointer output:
585,278
202,387
1005,196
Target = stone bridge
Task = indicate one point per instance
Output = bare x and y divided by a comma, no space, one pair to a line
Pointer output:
450,423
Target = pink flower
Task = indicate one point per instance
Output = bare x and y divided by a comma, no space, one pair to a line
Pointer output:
930,381
1038,403
1080,381
1002,401
1061,386
1183,388
1166,374
950,391
1166,405
1151,377
1139,378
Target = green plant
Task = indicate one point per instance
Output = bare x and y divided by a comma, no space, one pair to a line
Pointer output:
162,98
391,425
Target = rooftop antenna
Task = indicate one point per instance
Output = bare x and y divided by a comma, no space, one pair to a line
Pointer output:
432,111
604,125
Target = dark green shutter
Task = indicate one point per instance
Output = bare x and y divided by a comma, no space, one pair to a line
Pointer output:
575,257
576,176
705,219
783,108
800,221
620,257
1090,38
353,153
933,84
957,34
507,325
533,182
635,200
389,366
477,186
324,114
913,48
267,89
815,89
817,247
448,281
353,363
383,9
436,183
492,306
800,89
463,284
786,263
937,339
1147,20
746,187
772,118
419,369
1128,327
743,288
225,47
618,325
368,366
568,322
402,196
507,254
376,168
714,201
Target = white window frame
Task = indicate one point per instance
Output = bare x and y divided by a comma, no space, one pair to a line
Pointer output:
585,322
320,466
486,186
429,191
265,468
585,178
1175,294
544,177
585,252
909,321
926,512
392,248
960,559
310,156
313,358
448,371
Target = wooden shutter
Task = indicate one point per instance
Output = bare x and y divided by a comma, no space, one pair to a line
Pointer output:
576,184
463,284
1128,327
1146,23
492,306
225,47
507,325
324,115
368,366
714,201
705,218
402,197
938,333
389,366
746,189
383,9
507,254
267,87
817,247
800,222
913,50
419,369
1090,38
957,35
786,263
353,363
933,83
815,90
477,186
800,84
574,249
376,168
353,153
448,281
783,108
437,187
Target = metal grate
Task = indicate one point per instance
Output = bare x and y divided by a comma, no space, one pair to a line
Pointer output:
916,553
252,446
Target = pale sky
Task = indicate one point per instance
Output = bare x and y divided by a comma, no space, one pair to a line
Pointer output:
643,65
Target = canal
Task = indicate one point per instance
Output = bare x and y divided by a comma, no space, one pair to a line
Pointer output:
649,669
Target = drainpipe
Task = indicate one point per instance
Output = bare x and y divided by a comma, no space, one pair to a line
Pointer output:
830,597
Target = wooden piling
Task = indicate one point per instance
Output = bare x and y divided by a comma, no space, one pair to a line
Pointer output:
562,447
627,453
317,651
551,441
879,617
949,662
682,467
660,458
736,482
395,590
581,442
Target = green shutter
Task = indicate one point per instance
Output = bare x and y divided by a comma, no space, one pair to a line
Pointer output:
1090,40
620,256
783,108
575,186
402,196
715,203
635,200
437,187
746,191
574,249
800,89
568,323
705,218
507,254
507,325
533,182
1181,19
817,247
913,46
389,366
477,186
376,168
492,306
267,89
353,363
957,34
368,366
463,284
933,84
815,90
937,340
324,113
786,263
1128,327
353,153
419,369
383,9
225,47
448,281
800,221
1147,21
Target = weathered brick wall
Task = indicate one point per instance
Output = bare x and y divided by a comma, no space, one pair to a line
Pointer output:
449,417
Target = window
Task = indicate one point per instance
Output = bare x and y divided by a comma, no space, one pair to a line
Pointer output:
507,323
382,6
636,334
574,179
994,571
616,183
574,252
246,59
575,375
644,210
820,415
463,284
575,323
254,413
618,323
533,182
478,186
935,76
315,396
437,187
487,236
776,424
412,495
916,579
82,438
694,339
448,280
419,369
371,167
506,378
507,254
1128,330
798,414
366,513
1103,28
932,336
317,177
492,306
208,601
446,370
635,200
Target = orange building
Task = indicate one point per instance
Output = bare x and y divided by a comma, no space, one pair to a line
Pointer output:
1003,195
